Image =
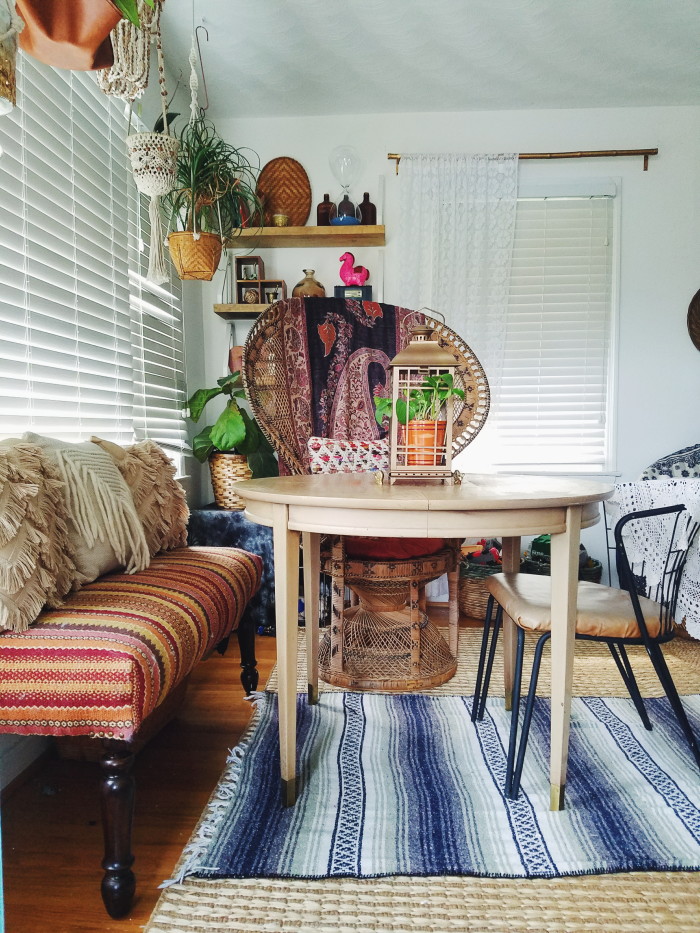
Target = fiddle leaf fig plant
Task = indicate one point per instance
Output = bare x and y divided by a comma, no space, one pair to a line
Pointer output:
234,431
425,403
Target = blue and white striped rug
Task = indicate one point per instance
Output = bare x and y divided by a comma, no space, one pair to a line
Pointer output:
405,785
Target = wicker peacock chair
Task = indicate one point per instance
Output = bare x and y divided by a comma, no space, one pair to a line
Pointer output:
311,369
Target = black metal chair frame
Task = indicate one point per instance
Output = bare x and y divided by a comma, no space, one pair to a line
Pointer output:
666,594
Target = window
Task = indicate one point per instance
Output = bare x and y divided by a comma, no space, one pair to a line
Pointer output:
80,353
554,407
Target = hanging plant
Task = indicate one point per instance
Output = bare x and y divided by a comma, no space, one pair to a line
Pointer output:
213,200
154,164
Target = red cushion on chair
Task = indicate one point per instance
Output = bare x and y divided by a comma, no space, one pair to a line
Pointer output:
392,548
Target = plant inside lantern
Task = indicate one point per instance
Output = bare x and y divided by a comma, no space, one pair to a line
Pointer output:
421,408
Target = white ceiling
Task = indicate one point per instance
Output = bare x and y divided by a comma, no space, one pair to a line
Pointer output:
314,57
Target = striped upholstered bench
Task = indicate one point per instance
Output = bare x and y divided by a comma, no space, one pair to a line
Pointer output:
103,662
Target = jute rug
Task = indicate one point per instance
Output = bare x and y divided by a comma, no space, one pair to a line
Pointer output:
638,902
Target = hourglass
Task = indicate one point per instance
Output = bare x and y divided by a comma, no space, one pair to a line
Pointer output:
346,166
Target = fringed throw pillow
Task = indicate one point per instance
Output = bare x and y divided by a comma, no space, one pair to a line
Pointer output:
36,563
159,499
103,526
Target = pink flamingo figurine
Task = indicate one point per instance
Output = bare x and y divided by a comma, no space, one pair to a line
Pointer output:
352,275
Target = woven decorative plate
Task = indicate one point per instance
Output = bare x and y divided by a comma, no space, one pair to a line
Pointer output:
283,187
694,319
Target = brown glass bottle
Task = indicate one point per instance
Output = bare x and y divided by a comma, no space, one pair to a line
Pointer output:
323,211
368,211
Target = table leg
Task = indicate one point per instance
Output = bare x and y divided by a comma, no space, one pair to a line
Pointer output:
311,544
286,544
511,564
564,555
453,611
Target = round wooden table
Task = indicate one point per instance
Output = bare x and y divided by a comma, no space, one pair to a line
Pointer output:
484,505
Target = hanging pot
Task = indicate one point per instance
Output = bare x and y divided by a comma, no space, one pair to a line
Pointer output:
195,258
425,443
71,35
153,159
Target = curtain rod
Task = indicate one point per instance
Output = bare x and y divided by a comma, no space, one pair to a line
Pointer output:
593,154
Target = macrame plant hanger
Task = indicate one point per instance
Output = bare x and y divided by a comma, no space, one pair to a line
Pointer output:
153,155
127,79
154,164
196,111
10,27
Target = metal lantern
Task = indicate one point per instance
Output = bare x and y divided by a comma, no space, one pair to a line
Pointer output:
420,444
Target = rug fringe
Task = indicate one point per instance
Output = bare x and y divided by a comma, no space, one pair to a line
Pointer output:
218,804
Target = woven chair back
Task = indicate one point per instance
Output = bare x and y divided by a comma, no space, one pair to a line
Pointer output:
312,366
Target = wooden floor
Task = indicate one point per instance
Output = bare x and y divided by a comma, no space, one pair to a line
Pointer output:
51,827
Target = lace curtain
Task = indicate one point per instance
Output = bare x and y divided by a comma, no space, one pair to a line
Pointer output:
457,224
456,231
649,543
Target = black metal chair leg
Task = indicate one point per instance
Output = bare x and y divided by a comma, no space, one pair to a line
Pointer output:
515,711
527,717
664,675
482,657
627,674
489,663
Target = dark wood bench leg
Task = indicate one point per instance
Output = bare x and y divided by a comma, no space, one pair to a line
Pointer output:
117,798
246,643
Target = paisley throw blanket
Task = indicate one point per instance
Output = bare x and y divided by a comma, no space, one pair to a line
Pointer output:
337,356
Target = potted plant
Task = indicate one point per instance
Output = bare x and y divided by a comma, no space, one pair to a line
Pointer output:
213,199
423,416
234,445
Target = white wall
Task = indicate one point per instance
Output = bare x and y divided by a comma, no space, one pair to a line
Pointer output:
659,368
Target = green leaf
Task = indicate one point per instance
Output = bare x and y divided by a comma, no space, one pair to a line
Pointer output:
229,430
251,440
202,446
129,10
263,463
200,398
231,381
382,408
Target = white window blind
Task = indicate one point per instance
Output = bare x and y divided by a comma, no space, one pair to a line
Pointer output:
158,343
553,408
72,359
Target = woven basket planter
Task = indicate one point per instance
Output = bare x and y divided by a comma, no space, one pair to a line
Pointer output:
195,259
227,470
473,594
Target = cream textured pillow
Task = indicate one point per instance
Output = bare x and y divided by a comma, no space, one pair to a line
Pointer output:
159,499
36,566
103,526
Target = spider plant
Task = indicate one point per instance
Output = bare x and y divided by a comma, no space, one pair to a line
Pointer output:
215,189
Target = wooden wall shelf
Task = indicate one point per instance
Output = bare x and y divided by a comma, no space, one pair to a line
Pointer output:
274,237
238,312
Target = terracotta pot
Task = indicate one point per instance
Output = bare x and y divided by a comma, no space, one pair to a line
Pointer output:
422,439
71,35
195,259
